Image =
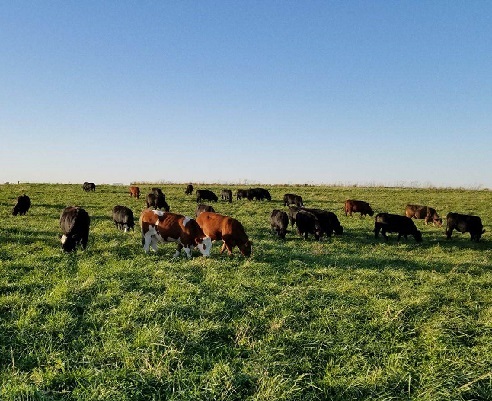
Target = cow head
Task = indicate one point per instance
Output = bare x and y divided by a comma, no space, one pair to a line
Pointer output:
246,248
68,243
437,221
204,245
370,212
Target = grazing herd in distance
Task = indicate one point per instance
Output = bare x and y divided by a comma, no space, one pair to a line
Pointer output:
158,224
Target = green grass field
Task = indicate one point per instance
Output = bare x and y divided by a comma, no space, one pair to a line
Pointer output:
347,318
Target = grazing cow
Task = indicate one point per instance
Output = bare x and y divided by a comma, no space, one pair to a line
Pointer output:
203,208
22,206
279,221
135,192
242,194
189,189
157,201
160,226
89,186
158,192
205,194
464,223
308,223
74,223
123,218
291,199
259,194
226,195
227,229
394,223
292,213
328,221
423,212
357,206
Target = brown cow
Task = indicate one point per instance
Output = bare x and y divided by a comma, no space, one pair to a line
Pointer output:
135,192
423,212
172,227
357,206
227,229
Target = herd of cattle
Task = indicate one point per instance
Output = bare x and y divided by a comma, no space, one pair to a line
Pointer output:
158,224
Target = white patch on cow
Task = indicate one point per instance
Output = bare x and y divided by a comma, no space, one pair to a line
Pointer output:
63,239
176,254
158,212
186,220
188,252
205,246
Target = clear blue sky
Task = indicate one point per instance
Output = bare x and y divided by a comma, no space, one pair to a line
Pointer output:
367,92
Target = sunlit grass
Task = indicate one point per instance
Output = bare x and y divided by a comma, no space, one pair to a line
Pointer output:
349,317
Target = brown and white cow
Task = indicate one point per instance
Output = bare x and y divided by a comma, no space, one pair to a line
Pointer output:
158,226
225,228
135,192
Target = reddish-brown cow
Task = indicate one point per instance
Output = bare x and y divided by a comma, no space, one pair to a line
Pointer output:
357,206
227,229
135,192
423,212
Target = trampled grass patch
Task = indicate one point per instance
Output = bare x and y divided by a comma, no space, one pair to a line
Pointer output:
350,317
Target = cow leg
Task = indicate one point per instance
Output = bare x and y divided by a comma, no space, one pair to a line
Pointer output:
223,247
383,232
178,250
146,239
377,228
448,233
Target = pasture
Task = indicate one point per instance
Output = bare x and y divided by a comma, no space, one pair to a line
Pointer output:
347,318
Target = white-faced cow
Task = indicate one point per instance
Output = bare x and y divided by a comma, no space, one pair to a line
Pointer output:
227,229
464,223
160,226
74,223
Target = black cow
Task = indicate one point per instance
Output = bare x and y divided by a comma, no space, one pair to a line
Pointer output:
242,194
158,192
464,223
308,223
203,208
123,218
291,199
205,194
157,201
22,206
279,221
226,195
88,186
292,213
394,223
258,194
189,189
328,220
74,223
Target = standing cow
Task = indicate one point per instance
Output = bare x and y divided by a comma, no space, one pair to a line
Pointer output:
74,223
308,223
328,220
357,206
189,189
226,195
279,221
160,226
88,186
123,218
135,192
291,199
394,223
464,223
22,206
227,229
242,194
423,212
258,194
205,194
157,201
